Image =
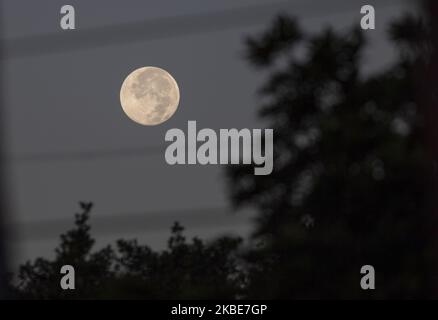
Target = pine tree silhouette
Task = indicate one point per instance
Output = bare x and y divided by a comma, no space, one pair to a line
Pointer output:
351,173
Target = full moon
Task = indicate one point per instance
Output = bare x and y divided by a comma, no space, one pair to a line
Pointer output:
149,96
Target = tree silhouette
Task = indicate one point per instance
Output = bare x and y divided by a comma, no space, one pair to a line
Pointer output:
351,173
185,270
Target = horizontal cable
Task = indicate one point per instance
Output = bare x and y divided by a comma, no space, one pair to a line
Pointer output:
50,157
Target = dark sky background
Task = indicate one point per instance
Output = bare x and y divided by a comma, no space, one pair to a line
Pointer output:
69,140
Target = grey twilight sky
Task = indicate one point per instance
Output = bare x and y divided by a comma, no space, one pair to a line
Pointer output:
69,140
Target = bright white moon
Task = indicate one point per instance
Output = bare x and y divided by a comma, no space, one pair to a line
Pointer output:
149,96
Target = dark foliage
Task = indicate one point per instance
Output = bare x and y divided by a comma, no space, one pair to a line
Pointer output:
185,270
351,172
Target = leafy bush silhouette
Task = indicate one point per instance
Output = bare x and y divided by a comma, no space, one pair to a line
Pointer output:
184,270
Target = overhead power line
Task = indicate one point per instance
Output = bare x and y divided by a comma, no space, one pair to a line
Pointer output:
167,27
49,157
160,28
147,222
